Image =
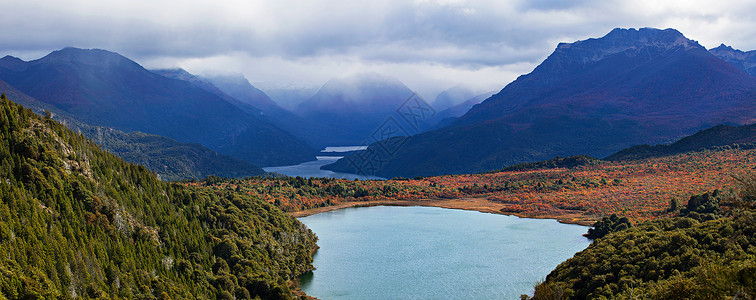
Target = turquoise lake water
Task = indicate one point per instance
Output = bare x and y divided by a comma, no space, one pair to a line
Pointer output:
386,252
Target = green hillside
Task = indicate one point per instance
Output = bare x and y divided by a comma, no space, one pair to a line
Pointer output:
170,159
76,221
702,254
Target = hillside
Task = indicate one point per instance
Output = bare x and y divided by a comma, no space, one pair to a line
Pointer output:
592,97
170,159
103,88
745,61
447,116
76,221
671,258
167,158
718,136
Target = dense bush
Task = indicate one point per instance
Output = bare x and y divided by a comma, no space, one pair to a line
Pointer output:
76,221
608,225
711,256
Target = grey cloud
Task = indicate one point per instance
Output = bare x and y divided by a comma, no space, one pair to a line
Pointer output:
459,36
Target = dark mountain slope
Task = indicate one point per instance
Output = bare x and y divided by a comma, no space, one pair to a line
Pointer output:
170,159
451,97
718,136
447,116
238,91
106,89
745,61
76,221
591,97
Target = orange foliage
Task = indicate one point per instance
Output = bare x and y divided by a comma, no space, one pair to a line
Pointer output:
639,189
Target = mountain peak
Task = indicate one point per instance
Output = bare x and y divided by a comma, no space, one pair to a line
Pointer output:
629,40
353,87
12,63
745,61
91,57
723,47
728,51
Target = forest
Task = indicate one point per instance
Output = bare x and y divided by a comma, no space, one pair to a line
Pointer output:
707,250
77,221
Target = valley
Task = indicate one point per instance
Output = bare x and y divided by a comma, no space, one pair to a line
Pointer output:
123,181
640,190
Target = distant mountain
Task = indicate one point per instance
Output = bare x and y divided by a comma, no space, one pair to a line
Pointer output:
358,104
745,61
447,116
106,89
288,96
238,86
451,97
315,134
717,136
170,159
592,97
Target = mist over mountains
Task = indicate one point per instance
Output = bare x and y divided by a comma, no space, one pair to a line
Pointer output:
359,103
593,97
106,89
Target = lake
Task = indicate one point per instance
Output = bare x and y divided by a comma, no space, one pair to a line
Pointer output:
312,168
387,252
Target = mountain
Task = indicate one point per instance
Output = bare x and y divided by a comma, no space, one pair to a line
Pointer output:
103,88
745,61
167,158
356,105
170,159
592,97
447,116
238,86
451,97
315,134
717,136
77,221
288,96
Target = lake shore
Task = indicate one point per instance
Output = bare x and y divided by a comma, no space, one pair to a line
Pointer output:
475,204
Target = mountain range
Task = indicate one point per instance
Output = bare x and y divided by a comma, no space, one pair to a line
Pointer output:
103,88
593,97
168,158
745,61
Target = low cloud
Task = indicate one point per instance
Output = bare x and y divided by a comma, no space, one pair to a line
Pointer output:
430,45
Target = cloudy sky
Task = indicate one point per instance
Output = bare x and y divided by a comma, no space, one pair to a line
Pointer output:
429,45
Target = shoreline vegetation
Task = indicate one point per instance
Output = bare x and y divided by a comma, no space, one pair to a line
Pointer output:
581,194
472,204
